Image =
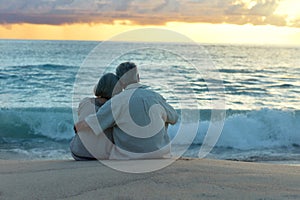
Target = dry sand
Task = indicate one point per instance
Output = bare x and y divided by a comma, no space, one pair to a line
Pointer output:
184,179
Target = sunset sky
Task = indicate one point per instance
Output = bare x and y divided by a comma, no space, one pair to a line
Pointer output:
206,21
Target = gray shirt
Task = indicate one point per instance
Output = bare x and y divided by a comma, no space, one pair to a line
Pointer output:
139,118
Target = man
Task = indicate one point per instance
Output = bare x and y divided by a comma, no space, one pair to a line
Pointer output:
139,118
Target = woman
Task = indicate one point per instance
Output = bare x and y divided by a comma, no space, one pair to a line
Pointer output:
86,145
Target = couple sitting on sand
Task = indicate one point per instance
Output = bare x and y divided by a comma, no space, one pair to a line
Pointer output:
126,120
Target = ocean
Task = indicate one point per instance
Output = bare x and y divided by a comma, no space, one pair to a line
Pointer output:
255,87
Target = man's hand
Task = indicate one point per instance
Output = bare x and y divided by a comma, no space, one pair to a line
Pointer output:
80,126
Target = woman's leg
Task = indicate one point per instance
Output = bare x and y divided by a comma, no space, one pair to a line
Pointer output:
78,150
78,158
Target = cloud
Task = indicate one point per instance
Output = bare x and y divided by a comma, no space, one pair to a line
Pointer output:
258,8
150,12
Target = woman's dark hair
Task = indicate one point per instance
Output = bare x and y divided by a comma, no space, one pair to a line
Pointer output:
106,85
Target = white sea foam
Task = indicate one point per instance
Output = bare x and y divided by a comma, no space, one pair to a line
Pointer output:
242,130
259,129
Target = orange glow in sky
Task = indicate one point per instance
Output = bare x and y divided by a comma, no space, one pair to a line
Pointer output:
199,32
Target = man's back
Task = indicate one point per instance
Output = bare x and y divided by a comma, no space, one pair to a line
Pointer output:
133,131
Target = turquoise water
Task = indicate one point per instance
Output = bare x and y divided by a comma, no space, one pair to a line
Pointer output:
43,81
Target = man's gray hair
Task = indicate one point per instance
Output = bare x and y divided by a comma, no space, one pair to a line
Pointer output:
124,67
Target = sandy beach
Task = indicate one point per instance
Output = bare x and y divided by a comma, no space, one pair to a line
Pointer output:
184,179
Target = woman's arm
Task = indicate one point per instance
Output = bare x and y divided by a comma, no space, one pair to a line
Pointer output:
81,126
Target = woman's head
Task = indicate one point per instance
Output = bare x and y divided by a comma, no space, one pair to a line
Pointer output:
107,86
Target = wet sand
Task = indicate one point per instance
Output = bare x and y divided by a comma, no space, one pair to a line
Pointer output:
184,179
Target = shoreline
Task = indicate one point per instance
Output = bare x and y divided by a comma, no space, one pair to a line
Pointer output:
183,179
